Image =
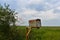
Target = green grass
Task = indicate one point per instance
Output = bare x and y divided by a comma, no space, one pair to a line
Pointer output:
44,33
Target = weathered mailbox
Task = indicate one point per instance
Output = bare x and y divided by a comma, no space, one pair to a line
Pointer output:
35,23
32,24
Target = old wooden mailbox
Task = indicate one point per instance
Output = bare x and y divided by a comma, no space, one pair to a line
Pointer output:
35,23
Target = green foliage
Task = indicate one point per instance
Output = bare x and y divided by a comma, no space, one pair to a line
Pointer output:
7,17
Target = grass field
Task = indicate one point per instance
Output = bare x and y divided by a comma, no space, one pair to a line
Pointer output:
44,33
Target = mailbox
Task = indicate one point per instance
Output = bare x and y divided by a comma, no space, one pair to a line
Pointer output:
35,23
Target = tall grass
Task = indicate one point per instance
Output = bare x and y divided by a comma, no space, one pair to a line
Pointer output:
44,33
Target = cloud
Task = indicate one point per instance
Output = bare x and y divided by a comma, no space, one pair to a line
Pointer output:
45,15
35,1
29,12
26,3
58,7
48,15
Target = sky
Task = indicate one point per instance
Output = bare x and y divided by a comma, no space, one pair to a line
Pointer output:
46,10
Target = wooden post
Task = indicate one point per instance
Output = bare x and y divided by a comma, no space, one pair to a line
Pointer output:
26,33
28,29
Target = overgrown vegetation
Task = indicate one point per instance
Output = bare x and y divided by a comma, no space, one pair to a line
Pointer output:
7,17
44,33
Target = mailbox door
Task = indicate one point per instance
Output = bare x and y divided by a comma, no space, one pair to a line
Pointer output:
38,24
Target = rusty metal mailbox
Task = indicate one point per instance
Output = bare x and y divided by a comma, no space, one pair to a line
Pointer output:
35,23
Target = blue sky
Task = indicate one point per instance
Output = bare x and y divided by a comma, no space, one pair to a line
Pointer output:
46,10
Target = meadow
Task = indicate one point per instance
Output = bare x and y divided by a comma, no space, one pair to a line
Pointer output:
44,33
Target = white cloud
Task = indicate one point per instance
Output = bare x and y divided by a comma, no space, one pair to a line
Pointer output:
48,15
29,12
58,7
48,4
24,3
35,1
44,15
21,3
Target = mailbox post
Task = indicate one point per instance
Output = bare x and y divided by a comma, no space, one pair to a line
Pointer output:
32,24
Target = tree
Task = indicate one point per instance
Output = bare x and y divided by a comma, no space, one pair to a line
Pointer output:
7,17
